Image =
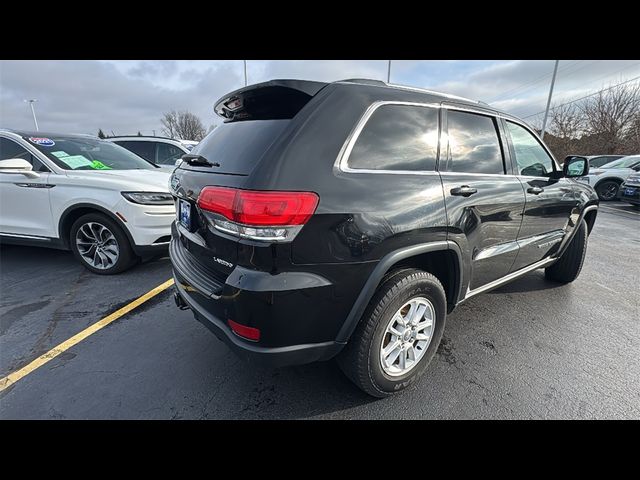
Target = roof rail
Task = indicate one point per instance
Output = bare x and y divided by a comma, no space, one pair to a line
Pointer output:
366,81
143,136
433,92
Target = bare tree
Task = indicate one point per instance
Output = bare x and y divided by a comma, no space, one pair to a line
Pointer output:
609,115
566,121
565,127
184,125
169,123
632,137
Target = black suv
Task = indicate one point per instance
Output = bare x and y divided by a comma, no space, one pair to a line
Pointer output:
347,219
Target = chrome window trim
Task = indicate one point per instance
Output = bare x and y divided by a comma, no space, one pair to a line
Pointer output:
342,161
347,147
501,175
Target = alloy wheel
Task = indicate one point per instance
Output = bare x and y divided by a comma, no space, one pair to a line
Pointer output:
97,245
407,336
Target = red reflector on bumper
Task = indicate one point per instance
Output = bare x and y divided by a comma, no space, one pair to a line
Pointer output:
249,333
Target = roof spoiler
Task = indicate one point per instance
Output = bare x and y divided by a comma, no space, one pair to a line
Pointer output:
275,99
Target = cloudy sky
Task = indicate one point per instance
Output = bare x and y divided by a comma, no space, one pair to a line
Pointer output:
125,97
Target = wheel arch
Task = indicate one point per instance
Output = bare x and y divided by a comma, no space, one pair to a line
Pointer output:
72,213
618,180
442,259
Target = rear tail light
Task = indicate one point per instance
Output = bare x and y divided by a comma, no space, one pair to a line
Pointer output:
259,215
243,331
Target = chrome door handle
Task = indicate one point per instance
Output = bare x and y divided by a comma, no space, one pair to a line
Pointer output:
535,190
463,191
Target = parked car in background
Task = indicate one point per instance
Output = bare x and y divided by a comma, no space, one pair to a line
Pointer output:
607,179
161,151
347,220
596,161
78,192
630,190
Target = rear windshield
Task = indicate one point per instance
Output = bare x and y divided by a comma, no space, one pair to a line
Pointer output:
237,146
77,153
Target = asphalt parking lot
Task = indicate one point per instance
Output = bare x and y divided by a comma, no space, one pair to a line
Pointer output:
531,349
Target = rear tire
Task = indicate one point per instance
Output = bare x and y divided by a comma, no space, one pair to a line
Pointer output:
607,190
95,231
406,302
569,266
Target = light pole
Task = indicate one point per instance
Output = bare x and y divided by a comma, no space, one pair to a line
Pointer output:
31,101
245,73
389,72
546,112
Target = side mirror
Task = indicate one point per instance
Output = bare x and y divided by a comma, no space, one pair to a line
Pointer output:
178,162
18,166
575,167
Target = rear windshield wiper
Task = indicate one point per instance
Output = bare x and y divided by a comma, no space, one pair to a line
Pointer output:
198,160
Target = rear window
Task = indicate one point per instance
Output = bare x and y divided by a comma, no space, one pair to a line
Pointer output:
237,146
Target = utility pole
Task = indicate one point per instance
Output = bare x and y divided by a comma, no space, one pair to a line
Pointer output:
546,112
389,72
154,133
31,101
245,73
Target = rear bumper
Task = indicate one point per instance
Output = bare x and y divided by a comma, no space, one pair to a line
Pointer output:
299,312
151,250
270,356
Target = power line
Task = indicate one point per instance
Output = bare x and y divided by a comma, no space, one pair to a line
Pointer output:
586,96
529,85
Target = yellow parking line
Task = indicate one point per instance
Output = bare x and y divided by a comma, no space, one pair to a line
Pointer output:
12,378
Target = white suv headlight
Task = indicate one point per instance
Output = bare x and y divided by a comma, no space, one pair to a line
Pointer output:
149,198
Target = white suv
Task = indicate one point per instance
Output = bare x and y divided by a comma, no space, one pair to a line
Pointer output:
104,203
161,151
607,179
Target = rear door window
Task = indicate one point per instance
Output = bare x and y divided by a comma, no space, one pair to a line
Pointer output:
238,146
398,138
474,145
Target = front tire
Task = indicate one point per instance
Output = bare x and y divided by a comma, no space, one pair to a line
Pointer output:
607,190
100,244
570,264
398,335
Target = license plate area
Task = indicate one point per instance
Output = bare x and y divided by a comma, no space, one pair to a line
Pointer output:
629,191
184,213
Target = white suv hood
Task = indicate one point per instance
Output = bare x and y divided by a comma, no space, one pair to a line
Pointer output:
155,180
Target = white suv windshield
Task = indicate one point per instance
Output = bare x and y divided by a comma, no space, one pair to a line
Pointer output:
76,153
